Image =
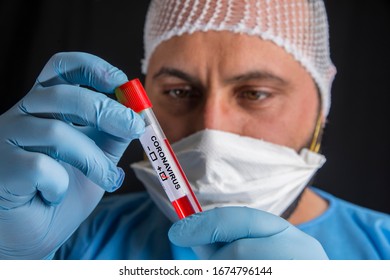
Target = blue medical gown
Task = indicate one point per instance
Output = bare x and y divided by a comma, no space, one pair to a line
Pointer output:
131,226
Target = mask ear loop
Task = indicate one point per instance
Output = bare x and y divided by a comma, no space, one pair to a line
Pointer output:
317,136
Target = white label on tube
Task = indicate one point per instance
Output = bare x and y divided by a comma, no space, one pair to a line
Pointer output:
163,164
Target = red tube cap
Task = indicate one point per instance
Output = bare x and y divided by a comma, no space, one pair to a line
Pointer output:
133,95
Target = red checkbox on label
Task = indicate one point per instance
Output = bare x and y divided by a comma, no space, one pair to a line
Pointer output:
163,176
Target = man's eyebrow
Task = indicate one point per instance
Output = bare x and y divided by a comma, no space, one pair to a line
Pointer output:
257,75
251,75
174,72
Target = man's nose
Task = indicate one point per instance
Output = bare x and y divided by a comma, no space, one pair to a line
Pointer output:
215,113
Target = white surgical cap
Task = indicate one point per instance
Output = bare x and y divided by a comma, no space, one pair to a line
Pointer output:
298,26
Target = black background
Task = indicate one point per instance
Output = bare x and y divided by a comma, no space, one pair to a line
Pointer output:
356,141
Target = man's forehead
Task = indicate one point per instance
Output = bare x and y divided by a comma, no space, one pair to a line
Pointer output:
234,56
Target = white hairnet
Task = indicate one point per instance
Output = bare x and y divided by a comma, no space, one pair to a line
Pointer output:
298,26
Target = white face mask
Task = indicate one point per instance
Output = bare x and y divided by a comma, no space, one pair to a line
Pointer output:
225,169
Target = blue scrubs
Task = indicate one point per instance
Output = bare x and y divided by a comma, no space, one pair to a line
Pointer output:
131,226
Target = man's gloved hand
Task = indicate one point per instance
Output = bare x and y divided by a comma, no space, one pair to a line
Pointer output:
59,147
244,233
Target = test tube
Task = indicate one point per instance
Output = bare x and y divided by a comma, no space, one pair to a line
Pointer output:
159,151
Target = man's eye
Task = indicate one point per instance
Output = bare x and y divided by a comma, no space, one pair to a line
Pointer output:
254,95
181,93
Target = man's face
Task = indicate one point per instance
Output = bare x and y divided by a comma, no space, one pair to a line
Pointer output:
234,83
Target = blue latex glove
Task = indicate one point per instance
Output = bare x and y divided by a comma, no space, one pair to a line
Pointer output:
244,233
59,148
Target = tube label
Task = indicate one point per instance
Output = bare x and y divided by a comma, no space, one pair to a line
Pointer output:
163,163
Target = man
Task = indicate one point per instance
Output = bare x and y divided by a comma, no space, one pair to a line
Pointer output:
242,89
